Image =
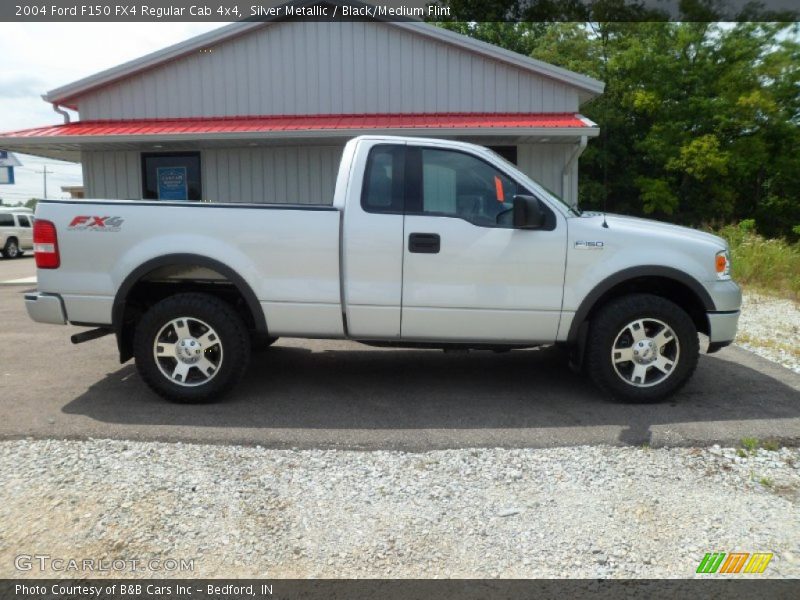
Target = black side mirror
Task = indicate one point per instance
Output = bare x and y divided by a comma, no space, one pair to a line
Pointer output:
528,213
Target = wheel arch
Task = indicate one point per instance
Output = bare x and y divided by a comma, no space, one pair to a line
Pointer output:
672,284
120,309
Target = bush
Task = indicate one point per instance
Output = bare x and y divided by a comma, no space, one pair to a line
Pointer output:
768,265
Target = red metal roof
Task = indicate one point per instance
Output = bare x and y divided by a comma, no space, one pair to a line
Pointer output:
266,124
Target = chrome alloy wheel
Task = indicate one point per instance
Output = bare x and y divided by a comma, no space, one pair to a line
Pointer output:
188,351
645,352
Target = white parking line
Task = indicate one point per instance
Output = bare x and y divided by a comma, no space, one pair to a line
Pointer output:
22,281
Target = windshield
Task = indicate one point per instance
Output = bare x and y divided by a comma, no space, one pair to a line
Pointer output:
538,187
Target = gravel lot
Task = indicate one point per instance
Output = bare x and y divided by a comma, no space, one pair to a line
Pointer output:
770,327
249,511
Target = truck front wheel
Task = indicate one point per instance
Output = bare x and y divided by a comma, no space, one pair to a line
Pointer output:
191,348
641,348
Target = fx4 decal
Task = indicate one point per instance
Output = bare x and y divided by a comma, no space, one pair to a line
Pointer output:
85,222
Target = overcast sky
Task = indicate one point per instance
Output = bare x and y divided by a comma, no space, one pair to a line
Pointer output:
38,57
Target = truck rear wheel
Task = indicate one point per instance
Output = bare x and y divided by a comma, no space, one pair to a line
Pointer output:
641,348
191,348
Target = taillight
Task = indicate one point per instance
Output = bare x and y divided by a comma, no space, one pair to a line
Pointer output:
45,245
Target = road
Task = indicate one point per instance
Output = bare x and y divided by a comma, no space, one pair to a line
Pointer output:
18,268
323,394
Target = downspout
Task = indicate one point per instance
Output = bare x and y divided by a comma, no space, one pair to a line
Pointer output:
62,112
571,162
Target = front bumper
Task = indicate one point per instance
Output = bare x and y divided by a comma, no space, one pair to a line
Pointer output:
45,308
722,329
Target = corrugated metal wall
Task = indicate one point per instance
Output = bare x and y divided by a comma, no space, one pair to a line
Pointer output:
544,163
116,175
328,68
292,174
286,174
280,174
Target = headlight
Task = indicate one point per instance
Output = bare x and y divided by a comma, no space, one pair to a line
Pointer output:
722,264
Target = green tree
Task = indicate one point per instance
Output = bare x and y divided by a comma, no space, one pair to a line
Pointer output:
699,121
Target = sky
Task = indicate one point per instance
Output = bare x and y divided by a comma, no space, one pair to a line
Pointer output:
38,57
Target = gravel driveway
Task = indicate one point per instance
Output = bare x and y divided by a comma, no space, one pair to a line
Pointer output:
770,327
237,511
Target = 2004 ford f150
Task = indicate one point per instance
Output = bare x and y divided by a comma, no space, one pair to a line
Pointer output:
428,243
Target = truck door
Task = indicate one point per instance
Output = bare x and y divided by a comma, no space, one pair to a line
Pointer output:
372,247
468,275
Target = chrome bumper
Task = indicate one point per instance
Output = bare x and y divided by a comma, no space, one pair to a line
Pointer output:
45,308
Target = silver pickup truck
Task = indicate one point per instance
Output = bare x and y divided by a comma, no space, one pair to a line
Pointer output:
427,243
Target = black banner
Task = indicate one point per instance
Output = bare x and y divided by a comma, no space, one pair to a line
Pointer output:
397,589
393,10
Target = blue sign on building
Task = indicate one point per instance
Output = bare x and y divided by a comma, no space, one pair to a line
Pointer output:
173,183
7,163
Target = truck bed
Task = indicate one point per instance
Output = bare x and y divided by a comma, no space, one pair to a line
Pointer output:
287,254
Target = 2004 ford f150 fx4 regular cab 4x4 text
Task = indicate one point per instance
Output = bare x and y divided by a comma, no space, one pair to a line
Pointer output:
428,243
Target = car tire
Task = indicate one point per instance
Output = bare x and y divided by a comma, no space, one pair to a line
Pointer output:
641,348
191,348
11,249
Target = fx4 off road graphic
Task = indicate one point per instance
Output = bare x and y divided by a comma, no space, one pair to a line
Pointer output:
736,562
92,223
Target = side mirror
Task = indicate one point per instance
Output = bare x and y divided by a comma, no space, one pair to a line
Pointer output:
528,213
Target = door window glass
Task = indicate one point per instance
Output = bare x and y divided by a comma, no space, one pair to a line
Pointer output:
459,185
6,220
383,180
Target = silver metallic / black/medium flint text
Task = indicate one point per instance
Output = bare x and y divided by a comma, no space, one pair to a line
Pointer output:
346,11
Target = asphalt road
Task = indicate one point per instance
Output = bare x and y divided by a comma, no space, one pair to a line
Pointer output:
340,394
17,268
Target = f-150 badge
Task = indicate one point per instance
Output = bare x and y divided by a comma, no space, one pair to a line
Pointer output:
581,245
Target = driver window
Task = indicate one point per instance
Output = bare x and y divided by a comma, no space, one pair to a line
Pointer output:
460,185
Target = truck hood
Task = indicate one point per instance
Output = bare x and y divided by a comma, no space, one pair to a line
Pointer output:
657,227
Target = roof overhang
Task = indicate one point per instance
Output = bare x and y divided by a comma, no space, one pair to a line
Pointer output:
66,141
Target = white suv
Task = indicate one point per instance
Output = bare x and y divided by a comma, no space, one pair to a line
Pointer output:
16,232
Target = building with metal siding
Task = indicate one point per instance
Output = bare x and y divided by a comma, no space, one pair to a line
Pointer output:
265,108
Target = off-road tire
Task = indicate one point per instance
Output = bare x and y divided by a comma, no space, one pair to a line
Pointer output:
612,319
231,332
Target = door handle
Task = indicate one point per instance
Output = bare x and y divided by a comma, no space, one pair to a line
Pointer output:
424,243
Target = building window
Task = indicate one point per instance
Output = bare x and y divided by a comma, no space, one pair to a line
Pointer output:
171,176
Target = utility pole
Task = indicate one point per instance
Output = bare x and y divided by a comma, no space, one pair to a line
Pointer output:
44,173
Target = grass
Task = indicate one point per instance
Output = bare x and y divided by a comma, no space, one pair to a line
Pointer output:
767,265
750,444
